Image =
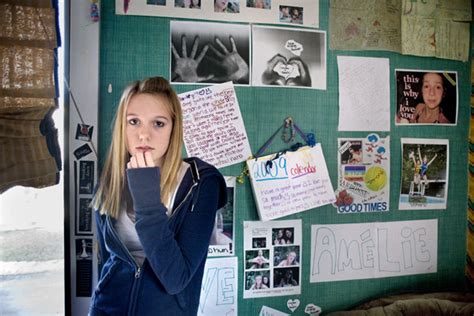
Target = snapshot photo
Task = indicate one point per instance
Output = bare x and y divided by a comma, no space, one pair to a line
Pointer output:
426,97
425,164
204,53
288,57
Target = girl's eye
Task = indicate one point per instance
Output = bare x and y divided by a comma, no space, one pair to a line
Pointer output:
159,124
133,121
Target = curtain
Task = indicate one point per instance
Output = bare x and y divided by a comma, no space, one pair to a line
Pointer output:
29,149
470,210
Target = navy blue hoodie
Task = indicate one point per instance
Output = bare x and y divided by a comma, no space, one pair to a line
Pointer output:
169,281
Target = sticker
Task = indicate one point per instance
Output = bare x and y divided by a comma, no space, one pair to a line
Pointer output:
86,177
312,310
84,217
293,304
82,151
84,267
84,132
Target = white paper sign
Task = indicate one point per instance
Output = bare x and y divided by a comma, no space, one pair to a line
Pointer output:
364,93
213,127
272,258
268,311
219,287
294,182
373,250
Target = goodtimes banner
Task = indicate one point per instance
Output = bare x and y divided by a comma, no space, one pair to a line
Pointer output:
291,182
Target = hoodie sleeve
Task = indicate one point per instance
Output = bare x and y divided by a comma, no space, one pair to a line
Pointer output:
173,258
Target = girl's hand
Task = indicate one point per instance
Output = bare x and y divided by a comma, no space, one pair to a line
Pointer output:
141,160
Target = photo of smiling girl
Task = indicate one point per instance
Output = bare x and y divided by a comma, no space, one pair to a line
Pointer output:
426,97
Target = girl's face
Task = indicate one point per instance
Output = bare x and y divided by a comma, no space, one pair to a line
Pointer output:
265,280
291,256
195,2
148,126
220,5
260,253
280,233
258,279
288,233
432,90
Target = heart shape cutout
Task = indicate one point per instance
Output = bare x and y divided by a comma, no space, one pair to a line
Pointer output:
293,304
286,70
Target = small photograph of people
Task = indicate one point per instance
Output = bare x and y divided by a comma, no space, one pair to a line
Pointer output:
286,256
259,4
257,259
285,277
156,2
227,6
257,280
289,14
283,236
259,242
353,155
188,4
426,97
424,173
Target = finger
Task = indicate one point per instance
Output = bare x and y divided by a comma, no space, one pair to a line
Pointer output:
201,55
175,52
232,43
149,159
133,162
219,54
195,47
201,79
183,47
224,49
140,160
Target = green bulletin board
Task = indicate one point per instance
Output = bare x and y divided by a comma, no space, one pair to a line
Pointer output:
135,47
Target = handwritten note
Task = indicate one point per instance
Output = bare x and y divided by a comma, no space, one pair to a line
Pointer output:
213,127
292,183
219,287
364,93
373,250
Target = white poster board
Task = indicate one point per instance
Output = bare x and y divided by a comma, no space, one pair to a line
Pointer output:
373,250
219,288
272,258
213,127
294,182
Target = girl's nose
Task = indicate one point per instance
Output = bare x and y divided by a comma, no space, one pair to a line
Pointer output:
144,133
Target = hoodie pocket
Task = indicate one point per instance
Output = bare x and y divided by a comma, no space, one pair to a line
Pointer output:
107,276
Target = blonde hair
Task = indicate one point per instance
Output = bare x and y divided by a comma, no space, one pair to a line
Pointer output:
113,189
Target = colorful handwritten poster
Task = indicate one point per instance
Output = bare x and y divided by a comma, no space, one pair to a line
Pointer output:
290,183
222,237
373,250
272,258
363,175
219,288
213,127
425,170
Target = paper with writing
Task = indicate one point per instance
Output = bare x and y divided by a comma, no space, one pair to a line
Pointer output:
373,250
213,127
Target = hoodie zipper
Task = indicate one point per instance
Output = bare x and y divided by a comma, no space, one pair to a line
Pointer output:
137,267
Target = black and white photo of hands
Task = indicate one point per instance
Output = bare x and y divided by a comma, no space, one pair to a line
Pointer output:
222,65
